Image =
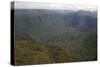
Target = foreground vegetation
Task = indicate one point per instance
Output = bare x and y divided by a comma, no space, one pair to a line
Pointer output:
29,51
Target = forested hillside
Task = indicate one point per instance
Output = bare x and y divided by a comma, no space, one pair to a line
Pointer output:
28,51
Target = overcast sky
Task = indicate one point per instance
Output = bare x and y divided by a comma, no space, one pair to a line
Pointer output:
35,5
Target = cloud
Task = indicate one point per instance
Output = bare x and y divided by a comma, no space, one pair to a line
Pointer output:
38,5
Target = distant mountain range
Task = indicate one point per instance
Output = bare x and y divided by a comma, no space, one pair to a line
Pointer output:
38,20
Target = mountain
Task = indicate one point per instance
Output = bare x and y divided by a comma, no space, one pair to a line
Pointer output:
42,22
54,35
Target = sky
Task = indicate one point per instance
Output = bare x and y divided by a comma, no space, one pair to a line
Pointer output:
36,5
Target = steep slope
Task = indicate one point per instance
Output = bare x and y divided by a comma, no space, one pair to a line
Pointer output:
38,22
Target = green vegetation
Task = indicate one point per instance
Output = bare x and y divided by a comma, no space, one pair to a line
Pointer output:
65,48
54,36
28,51
90,47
